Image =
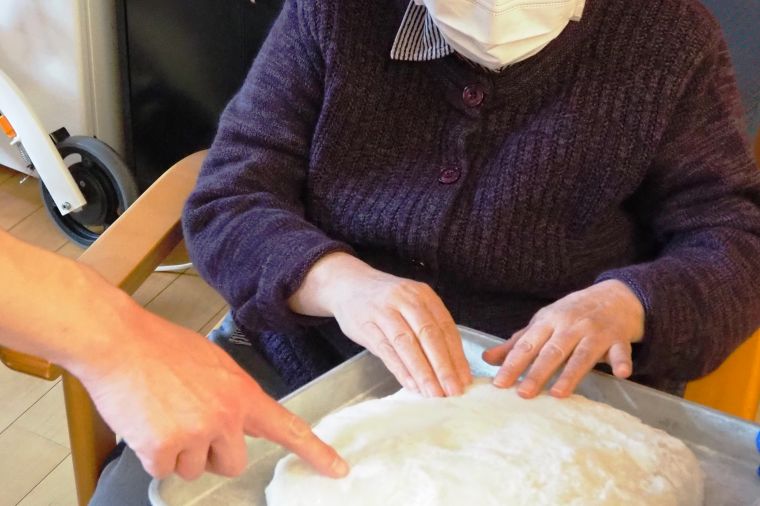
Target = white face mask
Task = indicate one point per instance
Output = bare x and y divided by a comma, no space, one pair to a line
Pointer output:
495,33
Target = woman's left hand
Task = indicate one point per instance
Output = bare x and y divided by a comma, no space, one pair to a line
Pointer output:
596,324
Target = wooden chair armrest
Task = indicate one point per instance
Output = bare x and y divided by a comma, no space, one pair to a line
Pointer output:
148,231
29,364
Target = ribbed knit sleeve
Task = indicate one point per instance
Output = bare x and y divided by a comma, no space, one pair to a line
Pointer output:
701,199
244,223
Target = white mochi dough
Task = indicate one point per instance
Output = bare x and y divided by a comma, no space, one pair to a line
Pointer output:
491,447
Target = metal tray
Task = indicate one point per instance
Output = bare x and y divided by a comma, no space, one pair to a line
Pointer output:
726,446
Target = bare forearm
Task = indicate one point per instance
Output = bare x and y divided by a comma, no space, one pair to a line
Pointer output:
54,307
165,409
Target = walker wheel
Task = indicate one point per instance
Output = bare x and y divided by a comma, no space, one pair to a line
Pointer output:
106,183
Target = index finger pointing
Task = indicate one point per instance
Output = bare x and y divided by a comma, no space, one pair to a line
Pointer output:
275,423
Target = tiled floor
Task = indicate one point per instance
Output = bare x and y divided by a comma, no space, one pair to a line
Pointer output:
35,461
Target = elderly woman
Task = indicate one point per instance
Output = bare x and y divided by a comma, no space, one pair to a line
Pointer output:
572,176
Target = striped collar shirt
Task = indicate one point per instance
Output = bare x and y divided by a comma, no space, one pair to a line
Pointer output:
419,39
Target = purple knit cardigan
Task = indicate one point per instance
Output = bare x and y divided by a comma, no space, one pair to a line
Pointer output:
616,152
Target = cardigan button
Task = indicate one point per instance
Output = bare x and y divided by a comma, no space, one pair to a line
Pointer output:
449,175
473,95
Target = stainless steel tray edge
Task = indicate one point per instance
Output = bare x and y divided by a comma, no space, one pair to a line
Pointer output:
724,444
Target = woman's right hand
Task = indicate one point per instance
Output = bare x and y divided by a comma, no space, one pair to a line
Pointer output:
401,321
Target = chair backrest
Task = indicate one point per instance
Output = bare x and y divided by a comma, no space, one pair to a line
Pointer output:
740,20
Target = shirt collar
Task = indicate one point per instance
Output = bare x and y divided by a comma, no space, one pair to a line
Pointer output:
419,39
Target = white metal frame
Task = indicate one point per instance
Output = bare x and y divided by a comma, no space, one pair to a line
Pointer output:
46,162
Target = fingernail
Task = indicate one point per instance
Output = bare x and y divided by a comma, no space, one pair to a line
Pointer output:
500,382
340,467
453,388
560,388
431,390
527,387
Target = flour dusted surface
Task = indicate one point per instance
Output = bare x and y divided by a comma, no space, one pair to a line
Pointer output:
491,447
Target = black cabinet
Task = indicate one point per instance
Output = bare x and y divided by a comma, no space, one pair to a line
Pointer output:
182,61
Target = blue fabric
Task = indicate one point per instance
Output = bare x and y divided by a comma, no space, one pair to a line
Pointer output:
740,20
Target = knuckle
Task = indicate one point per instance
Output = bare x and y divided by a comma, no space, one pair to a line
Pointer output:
408,287
542,314
384,350
428,330
297,428
402,339
156,468
589,326
524,346
200,429
368,327
413,292
163,446
449,327
584,353
553,352
225,420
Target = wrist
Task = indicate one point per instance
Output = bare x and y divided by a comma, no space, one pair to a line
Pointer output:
635,308
98,333
326,283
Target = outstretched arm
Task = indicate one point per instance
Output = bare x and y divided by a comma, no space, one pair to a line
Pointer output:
178,400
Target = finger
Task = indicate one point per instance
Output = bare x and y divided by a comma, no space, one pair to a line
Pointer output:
550,358
404,341
619,357
526,348
158,463
191,462
273,422
434,345
497,354
453,338
382,348
228,456
583,359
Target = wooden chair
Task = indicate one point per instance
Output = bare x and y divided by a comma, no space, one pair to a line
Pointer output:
149,231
